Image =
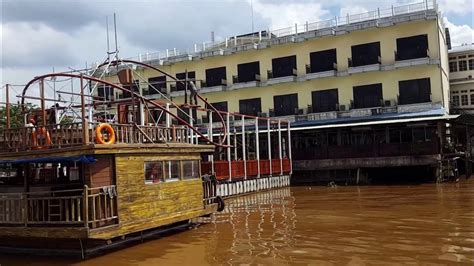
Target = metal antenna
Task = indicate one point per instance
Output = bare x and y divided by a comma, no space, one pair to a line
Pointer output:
108,42
115,30
251,7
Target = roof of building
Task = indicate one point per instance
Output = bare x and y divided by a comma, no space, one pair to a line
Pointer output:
462,48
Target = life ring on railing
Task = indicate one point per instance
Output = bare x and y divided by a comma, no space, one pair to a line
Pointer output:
41,131
99,137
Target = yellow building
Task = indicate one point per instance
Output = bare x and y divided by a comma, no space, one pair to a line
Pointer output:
377,80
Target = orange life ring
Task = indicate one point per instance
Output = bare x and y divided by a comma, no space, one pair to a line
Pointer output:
41,131
99,137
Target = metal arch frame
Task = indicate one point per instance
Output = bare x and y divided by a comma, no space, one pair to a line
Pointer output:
221,118
116,87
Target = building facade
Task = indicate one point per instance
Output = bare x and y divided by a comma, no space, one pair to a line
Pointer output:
363,92
461,72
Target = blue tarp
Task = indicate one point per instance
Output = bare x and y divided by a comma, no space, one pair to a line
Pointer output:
82,159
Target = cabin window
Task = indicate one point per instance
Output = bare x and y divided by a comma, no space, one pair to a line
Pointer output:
368,96
248,71
172,170
153,172
182,76
156,83
215,76
105,93
322,61
365,54
414,91
250,106
325,100
283,66
220,106
285,104
190,169
412,47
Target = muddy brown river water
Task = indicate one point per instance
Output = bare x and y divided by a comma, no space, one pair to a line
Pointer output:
373,225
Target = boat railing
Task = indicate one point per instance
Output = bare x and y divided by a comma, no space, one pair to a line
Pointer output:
87,207
72,134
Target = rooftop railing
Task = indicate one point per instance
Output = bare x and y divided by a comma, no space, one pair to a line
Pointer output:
241,42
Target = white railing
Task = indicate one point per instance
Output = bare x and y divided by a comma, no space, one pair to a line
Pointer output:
239,42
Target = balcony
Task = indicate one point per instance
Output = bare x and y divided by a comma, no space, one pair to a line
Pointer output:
206,89
317,75
271,80
249,84
364,68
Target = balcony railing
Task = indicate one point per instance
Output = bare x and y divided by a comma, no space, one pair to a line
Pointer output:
237,43
88,207
69,135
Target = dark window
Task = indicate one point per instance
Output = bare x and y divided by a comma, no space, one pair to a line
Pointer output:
283,66
367,96
214,76
105,93
464,100
325,101
414,91
248,71
471,64
133,87
184,114
220,106
182,76
412,47
453,66
285,104
456,100
159,83
323,60
462,65
250,106
365,54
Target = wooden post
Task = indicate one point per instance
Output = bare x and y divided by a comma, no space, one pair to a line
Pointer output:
7,98
43,103
468,152
85,205
85,126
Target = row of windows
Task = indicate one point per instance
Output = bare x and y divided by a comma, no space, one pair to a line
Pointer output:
167,171
365,96
463,100
363,54
462,65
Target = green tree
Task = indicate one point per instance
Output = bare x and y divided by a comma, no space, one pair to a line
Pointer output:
16,115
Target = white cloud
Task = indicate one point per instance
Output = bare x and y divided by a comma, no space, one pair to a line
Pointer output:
460,34
460,7
287,14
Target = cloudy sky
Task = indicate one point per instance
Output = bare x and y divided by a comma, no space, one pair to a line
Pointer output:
38,35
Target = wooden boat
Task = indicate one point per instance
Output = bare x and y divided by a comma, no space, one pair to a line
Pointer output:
80,187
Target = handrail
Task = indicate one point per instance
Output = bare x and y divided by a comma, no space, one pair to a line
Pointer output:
291,30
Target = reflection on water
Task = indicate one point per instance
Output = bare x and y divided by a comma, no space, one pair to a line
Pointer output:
319,225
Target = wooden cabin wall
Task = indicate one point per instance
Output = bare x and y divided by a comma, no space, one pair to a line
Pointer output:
143,205
100,173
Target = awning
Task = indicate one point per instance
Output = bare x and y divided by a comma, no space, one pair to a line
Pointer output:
78,159
378,122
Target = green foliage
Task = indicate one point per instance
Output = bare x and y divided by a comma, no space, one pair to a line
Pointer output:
16,115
